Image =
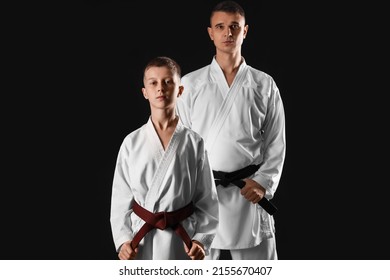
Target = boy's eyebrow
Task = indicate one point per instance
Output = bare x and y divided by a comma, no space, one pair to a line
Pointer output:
154,78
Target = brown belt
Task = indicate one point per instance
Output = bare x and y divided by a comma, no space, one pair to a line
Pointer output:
162,220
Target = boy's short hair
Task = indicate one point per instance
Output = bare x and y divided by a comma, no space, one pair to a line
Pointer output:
162,61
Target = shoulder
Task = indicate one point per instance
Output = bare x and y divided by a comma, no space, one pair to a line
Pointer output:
259,76
191,133
261,81
196,77
192,136
197,73
133,136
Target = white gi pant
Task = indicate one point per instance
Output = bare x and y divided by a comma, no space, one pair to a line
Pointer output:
266,250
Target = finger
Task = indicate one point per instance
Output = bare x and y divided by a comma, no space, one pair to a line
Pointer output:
198,252
198,255
250,196
194,251
191,252
186,248
126,252
201,255
245,189
126,248
257,199
132,256
124,255
133,253
193,256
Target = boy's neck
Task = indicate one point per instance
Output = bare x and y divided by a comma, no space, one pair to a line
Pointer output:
164,120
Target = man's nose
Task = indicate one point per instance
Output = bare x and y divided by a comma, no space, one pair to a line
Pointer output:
229,32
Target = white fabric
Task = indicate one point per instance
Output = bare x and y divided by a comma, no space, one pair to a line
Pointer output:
266,250
161,180
242,125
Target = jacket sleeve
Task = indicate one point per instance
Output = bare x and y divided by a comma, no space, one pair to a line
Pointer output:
183,104
273,146
121,200
206,203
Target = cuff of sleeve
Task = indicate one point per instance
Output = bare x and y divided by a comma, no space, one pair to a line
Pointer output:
206,240
120,240
266,184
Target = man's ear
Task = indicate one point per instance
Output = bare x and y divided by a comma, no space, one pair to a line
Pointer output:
210,31
246,27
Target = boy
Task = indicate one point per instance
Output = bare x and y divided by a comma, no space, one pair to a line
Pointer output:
163,191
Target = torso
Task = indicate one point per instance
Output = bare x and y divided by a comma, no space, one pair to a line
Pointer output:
230,78
165,136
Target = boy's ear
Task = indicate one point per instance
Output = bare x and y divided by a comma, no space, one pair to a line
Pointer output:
144,92
181,89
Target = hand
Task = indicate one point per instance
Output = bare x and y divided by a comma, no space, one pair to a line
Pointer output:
126,252
196,252
253,191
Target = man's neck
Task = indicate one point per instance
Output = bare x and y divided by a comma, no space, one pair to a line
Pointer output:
229,63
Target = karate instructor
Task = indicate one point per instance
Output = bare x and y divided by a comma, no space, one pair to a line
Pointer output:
239,112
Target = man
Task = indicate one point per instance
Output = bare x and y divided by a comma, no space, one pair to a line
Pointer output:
239,112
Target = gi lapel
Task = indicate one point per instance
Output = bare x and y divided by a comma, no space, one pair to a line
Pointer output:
166,159
227,103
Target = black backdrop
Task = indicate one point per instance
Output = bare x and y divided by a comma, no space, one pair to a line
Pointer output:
75,78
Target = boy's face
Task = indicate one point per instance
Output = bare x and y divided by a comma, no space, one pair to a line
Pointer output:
161,87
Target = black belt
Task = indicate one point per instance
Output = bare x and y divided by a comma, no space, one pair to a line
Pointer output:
235,178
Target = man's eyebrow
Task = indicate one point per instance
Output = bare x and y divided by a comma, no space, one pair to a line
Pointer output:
231,23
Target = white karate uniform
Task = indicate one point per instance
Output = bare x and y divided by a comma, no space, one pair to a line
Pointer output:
161,180
242,124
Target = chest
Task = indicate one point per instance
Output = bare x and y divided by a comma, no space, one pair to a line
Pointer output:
230,78
165,137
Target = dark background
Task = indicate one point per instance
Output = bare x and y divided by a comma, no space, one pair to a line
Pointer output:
73,92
